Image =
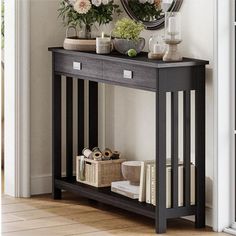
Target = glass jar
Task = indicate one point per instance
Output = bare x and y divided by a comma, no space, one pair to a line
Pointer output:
156,47
173,27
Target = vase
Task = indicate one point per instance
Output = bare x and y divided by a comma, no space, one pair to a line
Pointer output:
124,45
88,32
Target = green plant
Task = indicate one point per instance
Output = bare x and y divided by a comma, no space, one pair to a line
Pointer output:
146,10
128,29
87,12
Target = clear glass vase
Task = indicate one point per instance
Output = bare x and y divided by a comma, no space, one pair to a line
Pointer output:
88,32
85,32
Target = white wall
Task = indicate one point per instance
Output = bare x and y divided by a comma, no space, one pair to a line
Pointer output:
46,31
130,114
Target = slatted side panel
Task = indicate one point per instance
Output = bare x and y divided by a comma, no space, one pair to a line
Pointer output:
180,149
72,121
176,142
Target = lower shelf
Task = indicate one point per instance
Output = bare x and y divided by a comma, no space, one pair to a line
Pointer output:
105,196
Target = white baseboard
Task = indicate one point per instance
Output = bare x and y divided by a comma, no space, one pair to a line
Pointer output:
230,231
209,217
41,184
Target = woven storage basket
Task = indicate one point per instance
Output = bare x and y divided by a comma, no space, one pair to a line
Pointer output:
83,45
100,173
78,44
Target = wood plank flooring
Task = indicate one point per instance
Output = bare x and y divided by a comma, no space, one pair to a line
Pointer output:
75,216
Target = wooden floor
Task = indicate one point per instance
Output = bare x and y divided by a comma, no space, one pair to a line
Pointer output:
41,216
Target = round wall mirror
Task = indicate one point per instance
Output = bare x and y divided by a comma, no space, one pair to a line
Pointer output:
150,12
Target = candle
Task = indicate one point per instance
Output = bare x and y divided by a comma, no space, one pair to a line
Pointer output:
157,48
103,45
172,25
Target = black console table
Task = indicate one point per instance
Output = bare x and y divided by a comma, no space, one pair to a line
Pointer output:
140,73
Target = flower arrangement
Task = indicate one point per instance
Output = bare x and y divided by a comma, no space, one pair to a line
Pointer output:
128,29
87,12
146,10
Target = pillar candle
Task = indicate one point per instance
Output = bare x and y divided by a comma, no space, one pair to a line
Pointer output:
172,25
157,48
103,45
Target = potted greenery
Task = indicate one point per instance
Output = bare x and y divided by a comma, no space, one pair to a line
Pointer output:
127,36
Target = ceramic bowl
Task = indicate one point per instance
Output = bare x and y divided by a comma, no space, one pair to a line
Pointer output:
124,45
131,171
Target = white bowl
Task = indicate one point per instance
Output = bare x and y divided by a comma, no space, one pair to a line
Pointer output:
131,171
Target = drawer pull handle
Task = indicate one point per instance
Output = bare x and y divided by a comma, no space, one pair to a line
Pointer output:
77,65
128,74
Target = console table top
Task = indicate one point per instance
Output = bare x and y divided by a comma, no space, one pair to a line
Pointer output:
141,59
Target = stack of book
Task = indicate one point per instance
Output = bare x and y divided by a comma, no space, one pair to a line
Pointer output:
126,189
147,189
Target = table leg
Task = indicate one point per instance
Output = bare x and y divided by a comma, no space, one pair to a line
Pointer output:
200,148
56,134
161,162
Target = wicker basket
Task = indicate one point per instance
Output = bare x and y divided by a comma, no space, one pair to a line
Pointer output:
100,173
78,44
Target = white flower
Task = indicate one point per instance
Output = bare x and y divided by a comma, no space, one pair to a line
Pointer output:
72,2
142,1
105,2
150,1
82,6
97,3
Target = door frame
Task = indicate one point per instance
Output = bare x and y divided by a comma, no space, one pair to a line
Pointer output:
17,98
223,118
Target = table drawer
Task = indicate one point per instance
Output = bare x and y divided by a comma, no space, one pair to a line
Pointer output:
133,75
78,65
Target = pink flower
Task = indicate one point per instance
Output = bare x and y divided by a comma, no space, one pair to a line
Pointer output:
82,6
158,4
